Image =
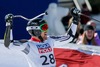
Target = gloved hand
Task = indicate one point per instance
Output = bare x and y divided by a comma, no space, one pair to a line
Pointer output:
8,18
76,20
75,14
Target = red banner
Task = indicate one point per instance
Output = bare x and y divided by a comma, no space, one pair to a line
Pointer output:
75,58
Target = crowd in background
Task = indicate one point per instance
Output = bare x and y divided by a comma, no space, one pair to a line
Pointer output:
86,31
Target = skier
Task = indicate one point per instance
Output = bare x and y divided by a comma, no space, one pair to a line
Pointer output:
39,48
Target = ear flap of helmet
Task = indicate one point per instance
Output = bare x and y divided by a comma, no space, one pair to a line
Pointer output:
35,32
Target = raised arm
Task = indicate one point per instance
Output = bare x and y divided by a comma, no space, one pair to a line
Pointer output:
70,34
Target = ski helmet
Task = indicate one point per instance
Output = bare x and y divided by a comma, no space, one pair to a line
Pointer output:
35,27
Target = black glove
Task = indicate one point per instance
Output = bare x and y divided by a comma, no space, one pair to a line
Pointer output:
76,15
8,18
75,12
76,20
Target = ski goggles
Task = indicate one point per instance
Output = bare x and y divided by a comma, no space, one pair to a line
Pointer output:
42,27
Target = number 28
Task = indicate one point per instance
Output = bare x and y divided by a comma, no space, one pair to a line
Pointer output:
51,58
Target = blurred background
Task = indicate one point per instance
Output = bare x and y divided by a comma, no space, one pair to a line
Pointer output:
31,8
93,5
92,8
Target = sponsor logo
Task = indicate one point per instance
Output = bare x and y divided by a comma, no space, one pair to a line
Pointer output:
44,48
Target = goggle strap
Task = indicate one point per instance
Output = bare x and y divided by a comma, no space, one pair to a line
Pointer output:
33,28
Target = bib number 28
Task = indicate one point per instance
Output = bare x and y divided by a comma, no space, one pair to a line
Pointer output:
51,59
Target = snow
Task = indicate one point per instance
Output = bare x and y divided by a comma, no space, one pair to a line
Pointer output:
15,58
12,57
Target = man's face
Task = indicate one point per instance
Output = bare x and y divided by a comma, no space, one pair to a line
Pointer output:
44,35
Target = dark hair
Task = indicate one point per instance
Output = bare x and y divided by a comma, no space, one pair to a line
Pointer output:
88,27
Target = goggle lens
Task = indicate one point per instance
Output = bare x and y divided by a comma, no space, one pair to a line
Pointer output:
44,27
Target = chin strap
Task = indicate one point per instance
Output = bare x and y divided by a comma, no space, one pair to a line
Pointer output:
37,35
40,38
